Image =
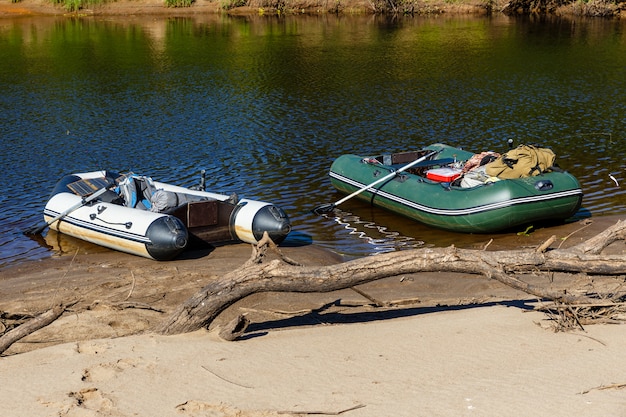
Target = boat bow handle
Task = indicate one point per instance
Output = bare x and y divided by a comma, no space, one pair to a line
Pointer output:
544,185
94,216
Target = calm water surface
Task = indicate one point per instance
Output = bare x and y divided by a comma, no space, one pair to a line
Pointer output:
266,104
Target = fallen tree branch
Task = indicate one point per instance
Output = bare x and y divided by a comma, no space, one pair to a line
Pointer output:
140,306
203,307
545,245
235,328
570,316
225,379
324,413
30,326
602,240
604,387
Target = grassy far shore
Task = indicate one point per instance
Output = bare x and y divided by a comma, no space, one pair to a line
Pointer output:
593,8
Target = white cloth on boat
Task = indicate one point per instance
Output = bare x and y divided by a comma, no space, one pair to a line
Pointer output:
476,177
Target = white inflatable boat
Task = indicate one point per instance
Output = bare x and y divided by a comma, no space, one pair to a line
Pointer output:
134,214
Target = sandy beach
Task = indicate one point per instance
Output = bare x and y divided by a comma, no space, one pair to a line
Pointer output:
488,361
458,345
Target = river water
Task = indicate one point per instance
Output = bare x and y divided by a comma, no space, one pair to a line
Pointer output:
265,104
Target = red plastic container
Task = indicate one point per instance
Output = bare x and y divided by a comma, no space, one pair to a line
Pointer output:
443,174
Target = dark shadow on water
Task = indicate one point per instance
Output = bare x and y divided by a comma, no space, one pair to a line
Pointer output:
581,214
318,316
40,240
297,239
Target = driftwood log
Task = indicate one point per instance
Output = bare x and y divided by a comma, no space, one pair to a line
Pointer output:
284,275
30,326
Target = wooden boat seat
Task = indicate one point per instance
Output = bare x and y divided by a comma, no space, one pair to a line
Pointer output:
429,163
400,157
421,167
398,160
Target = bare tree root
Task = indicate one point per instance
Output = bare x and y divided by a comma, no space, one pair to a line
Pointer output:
30,326
285,275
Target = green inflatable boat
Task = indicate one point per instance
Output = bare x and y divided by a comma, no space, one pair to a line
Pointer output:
453,189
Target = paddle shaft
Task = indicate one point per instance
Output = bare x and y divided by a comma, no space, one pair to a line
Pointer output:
385,178
39,229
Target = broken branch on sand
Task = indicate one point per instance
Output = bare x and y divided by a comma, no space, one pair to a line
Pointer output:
284,275
30,326
604,387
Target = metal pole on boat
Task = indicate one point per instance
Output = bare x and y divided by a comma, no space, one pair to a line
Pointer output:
328,207
35,230
203,180
202,185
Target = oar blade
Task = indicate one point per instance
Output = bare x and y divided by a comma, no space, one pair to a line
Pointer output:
324,209
35,230
327,208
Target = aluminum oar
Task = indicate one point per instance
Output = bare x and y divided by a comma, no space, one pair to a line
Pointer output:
328,207
35,230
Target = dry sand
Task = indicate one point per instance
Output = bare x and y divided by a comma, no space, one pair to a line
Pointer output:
491,361
461,345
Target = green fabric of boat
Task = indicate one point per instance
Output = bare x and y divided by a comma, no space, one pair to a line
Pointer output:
492,207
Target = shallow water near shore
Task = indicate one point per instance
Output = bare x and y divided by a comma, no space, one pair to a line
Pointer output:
265,104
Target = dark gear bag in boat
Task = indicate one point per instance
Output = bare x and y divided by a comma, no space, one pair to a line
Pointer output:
523,161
